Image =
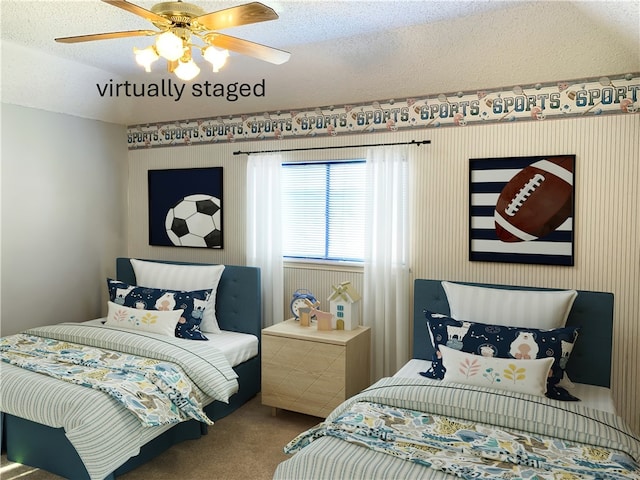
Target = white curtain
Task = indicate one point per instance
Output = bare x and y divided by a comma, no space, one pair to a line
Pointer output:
386,272
264,232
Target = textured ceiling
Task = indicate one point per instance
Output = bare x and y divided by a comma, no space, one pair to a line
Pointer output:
343,38
35,24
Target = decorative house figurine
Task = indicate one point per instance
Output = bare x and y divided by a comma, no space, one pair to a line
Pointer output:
345,306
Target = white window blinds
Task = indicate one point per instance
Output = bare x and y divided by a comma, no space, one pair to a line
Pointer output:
323,210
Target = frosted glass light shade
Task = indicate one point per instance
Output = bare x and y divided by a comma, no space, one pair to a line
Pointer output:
146,56
187,70
170,46
215,57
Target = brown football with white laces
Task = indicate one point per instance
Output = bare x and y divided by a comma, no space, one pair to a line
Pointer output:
536,201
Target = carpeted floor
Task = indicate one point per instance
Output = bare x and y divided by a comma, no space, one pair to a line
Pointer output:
246,445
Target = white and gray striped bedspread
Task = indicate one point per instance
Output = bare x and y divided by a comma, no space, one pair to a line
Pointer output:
104,433
332,458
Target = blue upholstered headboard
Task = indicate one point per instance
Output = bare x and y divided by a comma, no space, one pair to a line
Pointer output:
238,299
590,360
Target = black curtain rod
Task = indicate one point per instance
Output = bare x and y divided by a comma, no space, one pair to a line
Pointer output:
412,142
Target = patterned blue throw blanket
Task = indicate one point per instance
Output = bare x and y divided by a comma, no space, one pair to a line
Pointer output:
469,433
158,392
469,449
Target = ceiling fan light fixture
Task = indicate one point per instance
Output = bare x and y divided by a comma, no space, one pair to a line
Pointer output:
146,56
215,57
170,46
178,22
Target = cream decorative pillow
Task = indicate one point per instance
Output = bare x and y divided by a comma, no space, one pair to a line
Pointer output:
522,376
543,309
186,278
162,322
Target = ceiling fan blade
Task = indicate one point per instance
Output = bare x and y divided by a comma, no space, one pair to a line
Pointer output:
233,17
245,47
106,36
141,12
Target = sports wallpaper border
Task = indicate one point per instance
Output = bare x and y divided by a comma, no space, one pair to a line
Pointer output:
617,94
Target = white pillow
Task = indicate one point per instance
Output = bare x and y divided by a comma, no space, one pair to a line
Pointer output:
155,321
544,310
186,278
522,376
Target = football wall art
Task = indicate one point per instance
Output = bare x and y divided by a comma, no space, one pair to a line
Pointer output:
185,207
521,209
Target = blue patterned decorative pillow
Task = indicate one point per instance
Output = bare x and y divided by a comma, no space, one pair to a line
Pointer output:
193,304
503,342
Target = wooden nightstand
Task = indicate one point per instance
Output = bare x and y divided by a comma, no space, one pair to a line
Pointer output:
311,371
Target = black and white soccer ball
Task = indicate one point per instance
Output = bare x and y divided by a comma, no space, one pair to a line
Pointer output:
195,221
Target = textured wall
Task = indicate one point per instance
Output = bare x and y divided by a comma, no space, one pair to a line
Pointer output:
607,227
233,206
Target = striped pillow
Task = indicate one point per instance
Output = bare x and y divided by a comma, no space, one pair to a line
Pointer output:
543,309
185,278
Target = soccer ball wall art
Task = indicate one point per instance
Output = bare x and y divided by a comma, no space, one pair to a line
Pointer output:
185,207
195,222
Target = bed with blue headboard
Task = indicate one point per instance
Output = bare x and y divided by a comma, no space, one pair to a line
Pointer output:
413,427
238,309
591,311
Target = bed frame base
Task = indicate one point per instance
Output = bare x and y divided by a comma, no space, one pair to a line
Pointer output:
30,444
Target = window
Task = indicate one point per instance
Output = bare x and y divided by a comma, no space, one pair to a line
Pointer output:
323,210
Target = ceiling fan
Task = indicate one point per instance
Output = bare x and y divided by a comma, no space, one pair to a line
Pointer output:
179,22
